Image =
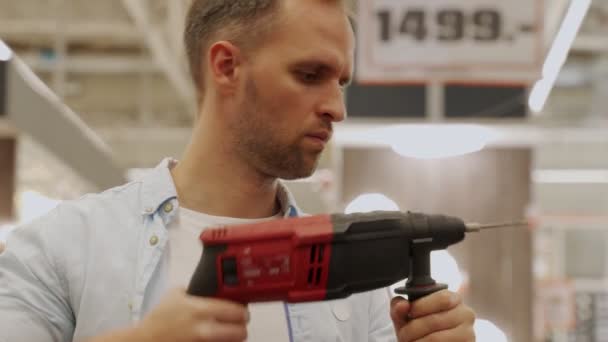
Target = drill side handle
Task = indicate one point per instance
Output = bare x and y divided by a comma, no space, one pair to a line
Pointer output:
419,282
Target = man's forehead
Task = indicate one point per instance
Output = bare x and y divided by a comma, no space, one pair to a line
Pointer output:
327,19
329,57
322,30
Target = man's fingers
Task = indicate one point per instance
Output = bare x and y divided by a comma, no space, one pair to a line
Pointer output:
463,333
224,332
220,310
399,311
442,321
434,303
2,247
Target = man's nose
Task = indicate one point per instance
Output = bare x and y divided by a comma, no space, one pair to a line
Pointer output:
333,106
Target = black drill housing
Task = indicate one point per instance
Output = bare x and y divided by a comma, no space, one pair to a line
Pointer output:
376,249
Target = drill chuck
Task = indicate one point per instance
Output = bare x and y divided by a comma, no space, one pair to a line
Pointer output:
477,227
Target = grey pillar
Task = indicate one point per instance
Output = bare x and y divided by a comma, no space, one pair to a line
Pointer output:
7,178
489,186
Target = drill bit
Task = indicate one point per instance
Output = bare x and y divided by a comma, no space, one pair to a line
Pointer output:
476,227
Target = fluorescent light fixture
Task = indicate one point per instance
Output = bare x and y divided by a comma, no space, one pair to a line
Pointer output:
371,202
486,331
426,141
558,53
570,176
5,52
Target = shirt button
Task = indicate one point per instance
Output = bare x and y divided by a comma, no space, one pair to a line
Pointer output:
168,207
153,240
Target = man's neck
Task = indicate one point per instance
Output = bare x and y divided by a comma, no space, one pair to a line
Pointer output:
209,181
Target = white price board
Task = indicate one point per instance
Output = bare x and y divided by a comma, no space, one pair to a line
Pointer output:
459,40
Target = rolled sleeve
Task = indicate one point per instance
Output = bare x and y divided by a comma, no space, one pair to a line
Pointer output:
33,300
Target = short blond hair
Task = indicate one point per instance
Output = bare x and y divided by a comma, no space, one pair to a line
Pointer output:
244,22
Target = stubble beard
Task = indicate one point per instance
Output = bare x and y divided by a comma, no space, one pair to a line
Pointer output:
257,141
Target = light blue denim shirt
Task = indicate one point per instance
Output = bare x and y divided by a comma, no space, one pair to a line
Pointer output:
85,268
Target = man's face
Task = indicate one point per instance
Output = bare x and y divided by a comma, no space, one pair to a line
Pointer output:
292,89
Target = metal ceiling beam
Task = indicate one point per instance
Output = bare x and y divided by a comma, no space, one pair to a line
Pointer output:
523,133
17,29
163,54
176,20
591,42
93,64
33,109
60,47
137,146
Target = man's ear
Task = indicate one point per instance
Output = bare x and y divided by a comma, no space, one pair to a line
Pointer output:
224,61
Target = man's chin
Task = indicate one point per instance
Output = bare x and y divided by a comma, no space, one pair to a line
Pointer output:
299,173
295,168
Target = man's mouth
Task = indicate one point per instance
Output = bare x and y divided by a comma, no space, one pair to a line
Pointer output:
322,135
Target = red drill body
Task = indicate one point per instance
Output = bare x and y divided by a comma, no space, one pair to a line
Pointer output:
273,261
323,257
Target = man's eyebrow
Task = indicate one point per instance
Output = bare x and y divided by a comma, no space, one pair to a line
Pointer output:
315,63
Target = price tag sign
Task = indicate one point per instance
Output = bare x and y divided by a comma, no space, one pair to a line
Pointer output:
415,40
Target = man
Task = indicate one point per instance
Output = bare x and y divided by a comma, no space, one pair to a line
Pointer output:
270,77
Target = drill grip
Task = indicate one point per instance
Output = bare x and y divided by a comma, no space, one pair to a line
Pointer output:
204,281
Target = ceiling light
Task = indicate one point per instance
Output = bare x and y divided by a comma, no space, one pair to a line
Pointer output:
371,202
427,141
559,53
570,176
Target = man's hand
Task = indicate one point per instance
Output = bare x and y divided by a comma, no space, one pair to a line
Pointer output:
1,247
183,318
438,317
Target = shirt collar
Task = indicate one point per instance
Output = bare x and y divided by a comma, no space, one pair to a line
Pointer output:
158,188
287,202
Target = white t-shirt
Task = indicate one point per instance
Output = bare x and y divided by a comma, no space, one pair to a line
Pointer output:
182,254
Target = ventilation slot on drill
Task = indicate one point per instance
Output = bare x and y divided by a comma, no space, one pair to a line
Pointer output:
315,270
314,275
316,254
219,233
313,252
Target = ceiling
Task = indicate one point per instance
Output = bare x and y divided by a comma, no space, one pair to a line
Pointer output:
119,64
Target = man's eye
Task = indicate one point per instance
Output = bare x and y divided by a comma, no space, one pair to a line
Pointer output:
309,77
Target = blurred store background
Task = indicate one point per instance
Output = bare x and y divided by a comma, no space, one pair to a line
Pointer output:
498,110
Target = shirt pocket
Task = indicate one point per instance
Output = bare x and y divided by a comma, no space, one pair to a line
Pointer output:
341,309
330,321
